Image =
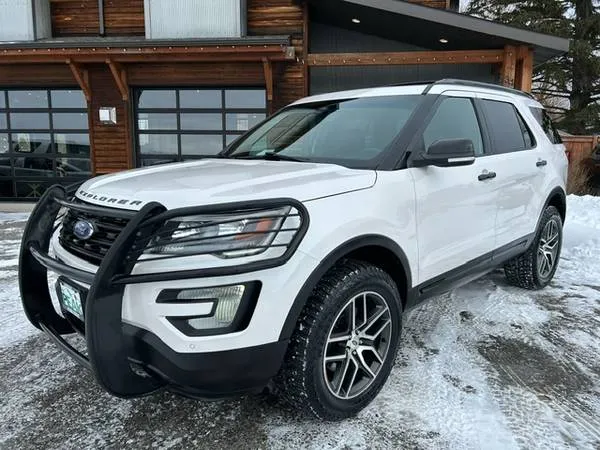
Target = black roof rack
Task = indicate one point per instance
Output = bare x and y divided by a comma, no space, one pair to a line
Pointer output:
479,84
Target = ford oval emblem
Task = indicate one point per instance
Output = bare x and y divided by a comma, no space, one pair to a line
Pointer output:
83,229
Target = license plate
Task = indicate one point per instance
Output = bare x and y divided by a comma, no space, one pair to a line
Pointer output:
70,299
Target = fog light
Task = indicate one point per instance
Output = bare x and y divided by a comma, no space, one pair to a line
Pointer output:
227,298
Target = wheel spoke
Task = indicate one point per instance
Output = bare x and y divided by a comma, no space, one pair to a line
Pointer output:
375,352
335,358
344,371
335,339
353,314
364,364
374,336
365,318
374,319
353,379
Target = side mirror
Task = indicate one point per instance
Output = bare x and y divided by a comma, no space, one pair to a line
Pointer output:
447,153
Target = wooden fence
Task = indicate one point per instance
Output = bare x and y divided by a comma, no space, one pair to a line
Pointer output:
580,147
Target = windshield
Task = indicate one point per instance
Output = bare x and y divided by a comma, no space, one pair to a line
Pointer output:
351,132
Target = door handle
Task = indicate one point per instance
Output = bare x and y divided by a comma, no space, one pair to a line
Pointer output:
487,176
541,163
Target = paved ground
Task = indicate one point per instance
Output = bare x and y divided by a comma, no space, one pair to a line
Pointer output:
487,366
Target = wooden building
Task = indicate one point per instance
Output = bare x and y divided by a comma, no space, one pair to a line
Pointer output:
98,86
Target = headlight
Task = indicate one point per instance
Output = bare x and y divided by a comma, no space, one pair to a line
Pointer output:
226,236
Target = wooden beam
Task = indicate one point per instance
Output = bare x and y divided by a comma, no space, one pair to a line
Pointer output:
82,79
509,66
120,77
406,58
524,73
218,53
268,69
305,42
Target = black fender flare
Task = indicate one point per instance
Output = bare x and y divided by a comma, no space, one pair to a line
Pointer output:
328,262
553,193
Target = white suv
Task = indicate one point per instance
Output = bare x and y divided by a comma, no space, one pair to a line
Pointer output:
292,256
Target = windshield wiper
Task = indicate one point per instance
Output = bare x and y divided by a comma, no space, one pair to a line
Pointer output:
272,156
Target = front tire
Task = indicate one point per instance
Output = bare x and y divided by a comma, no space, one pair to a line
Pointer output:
535,268
345,343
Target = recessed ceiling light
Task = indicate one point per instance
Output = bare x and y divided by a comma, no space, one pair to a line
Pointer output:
355,20
444,40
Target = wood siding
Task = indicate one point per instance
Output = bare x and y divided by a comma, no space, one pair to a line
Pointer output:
80,17
443,4
30,75
196,74
124,17
111,144
282,17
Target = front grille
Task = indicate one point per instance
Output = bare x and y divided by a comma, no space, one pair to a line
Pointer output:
95,248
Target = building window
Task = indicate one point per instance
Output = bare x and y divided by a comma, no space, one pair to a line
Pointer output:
44,140
184,124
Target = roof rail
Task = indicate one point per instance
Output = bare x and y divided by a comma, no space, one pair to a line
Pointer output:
479,84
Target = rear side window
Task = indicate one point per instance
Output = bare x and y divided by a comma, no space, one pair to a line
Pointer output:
546,122
508,131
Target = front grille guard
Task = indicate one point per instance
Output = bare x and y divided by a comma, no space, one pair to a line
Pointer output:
107,351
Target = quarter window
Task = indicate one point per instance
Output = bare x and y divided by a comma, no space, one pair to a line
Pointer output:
508,130
455,118
546,122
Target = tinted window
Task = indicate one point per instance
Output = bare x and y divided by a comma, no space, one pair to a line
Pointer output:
546,122
508,130
454,119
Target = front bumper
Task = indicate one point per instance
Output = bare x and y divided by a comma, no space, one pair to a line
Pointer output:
127,360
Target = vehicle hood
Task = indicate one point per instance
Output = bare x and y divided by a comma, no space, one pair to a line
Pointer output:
212,181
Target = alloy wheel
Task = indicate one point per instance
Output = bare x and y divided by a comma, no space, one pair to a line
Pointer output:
548,248
357,345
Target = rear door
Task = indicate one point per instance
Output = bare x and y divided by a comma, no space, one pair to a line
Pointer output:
516,155
455,210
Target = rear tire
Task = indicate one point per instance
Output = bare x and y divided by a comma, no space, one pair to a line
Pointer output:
353,318
535,268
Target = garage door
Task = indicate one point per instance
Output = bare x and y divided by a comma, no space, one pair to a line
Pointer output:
44,140
184,124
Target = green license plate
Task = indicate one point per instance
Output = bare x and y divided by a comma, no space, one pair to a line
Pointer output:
70,298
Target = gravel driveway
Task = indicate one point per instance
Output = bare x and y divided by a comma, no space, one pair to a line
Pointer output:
486,366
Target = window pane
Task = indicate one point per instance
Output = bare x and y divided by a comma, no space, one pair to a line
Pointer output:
32,189
201,121
505,130
5,167
70,121
68,99
31,143
155,162
158,144
33,167
72,144
245,98
243,121
29,121
2,99
28,99
231,138
157,99
148,121
6,187
454,119
200,98
4,143
69,167
3,123
201,144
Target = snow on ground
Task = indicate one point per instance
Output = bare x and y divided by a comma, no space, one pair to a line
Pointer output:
485,366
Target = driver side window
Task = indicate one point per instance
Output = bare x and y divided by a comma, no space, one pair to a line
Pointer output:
455,118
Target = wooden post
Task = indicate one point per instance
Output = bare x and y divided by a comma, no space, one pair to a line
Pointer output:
524,75
509,66
268,69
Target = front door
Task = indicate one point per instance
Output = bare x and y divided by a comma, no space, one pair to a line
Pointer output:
456,211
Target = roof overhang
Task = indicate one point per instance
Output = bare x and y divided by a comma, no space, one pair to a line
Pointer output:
130,50
424,27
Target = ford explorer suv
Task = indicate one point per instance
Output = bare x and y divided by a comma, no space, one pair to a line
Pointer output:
289,259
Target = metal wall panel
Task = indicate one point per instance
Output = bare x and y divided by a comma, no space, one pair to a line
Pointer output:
330,39
192,18
16,20
43,19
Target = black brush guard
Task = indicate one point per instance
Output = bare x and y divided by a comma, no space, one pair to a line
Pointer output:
107,350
